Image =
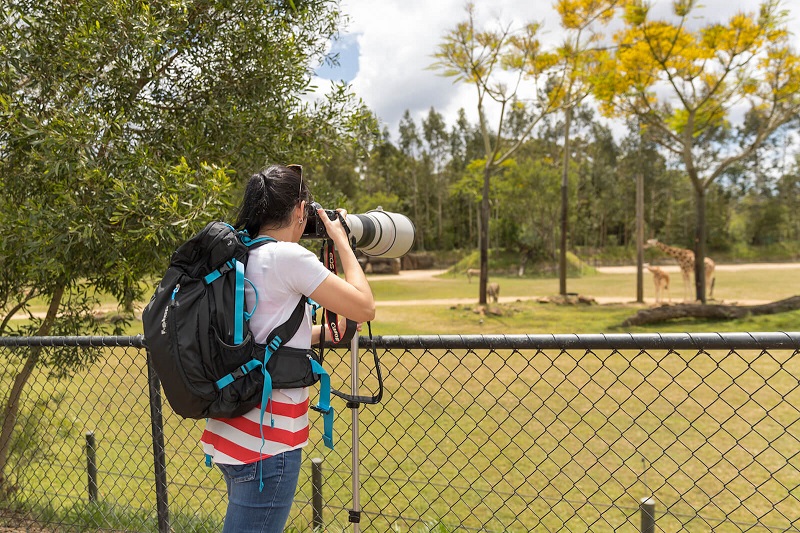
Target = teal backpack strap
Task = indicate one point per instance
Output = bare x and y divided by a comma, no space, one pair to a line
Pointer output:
276,338
266,397
251,242
324,404
236,374
238,307
274,341
266,392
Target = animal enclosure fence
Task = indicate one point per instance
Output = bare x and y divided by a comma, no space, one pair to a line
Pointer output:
697,432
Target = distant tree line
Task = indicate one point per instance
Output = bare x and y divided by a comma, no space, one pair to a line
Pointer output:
431,172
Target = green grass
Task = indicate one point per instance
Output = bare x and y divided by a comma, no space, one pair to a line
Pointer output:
534,318
434,400
730,286
530,317
575,406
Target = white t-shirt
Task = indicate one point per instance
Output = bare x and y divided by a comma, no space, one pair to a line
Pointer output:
281,272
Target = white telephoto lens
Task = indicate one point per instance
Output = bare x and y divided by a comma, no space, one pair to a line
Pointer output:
380,233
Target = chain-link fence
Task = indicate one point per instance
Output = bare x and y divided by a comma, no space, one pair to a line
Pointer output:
673,432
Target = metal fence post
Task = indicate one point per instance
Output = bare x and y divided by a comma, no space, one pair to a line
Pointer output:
159,457
91,465
648,511
316,496
355,512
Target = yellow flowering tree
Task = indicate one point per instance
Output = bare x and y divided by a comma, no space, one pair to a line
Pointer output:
684,82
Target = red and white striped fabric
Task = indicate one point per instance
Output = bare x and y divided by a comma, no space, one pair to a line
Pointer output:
238,440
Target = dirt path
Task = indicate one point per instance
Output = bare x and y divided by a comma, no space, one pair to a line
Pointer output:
631,269
410,275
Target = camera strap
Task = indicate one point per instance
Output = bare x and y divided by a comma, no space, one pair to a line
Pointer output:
330,319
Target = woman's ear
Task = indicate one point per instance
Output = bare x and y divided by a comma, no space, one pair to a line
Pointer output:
300,211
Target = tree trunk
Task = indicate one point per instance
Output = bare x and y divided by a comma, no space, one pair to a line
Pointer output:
639,237
562,258
484,230
525,254
700,245
11,408
10,412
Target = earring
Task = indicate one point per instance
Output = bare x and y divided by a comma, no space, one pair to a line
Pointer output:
299,221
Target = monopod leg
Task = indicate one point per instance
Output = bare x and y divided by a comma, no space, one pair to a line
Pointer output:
355,513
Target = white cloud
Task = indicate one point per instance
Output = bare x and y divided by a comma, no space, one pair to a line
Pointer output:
397,39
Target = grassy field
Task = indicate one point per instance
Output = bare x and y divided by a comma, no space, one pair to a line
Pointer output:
451,304
437,400
527,315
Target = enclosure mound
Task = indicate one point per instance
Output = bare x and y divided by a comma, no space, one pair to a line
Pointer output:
665,313
568,299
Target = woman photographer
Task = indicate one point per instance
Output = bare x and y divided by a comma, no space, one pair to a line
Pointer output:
275,204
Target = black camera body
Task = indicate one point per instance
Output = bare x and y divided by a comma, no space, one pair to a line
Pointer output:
315,227
377,233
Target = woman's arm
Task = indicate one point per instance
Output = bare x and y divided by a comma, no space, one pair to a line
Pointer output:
350,297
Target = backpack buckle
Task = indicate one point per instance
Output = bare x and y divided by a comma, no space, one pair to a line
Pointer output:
273,346
322,410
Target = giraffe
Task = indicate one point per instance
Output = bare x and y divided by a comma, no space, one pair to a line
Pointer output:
661,281
685,259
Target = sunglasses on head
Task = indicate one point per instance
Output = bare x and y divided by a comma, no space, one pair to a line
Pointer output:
299,170
309,203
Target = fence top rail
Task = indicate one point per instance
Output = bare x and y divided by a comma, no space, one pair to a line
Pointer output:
638,341
136,341
785,340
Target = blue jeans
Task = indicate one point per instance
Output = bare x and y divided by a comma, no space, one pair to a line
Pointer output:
266,511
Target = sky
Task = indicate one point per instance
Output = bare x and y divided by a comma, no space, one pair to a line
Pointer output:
386,49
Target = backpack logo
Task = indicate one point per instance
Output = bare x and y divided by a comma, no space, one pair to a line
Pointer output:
164,321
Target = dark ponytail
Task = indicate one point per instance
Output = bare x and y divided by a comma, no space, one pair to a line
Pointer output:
270,197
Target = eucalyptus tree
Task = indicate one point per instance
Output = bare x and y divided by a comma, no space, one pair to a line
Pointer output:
578,58
465,145
389,170
531,220
788,188
124,127
410,144
757,183
504,66
436,152
603,198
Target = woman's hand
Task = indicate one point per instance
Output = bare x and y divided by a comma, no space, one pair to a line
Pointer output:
343,324
334,228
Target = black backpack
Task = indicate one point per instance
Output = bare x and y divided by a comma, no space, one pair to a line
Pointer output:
200,345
